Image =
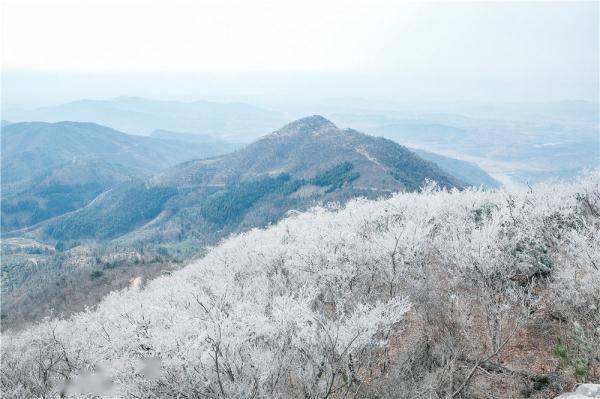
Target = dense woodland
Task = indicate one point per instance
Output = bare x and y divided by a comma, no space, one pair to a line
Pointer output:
437,294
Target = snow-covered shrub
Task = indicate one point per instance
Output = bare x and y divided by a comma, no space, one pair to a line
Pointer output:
313,306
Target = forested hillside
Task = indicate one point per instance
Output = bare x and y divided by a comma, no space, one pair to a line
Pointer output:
49,169
306,162
177,213
438,294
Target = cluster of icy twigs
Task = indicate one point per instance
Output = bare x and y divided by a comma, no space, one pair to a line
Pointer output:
304,308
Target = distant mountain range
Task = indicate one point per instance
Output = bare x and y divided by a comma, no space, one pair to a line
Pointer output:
233,121
80,199
211,143
465,171
52,168
306,162
517,144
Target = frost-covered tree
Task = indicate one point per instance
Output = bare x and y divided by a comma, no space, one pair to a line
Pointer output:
418,295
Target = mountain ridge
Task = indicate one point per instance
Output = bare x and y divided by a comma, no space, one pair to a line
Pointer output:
261,180
141,116
147,224
52,168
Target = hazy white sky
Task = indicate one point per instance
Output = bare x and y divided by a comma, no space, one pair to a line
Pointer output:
445,44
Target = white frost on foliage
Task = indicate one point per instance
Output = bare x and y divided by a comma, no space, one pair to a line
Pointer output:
303,306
